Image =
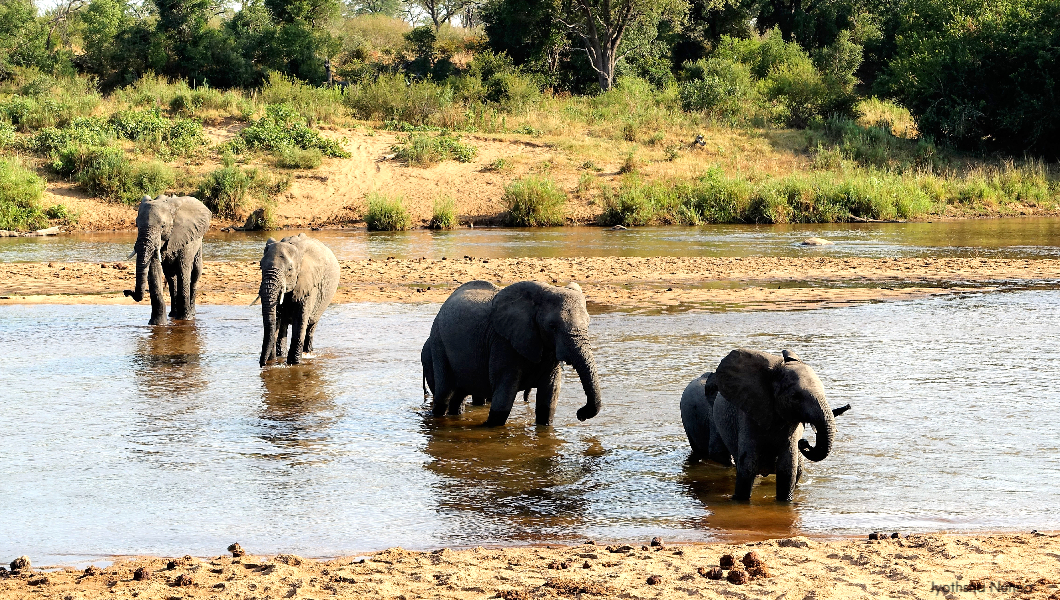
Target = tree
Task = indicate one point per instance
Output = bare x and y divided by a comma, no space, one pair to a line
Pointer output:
439,11
390,8
22,36
605,25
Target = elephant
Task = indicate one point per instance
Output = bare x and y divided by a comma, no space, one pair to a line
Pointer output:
299,276
492,343
752,409
169,242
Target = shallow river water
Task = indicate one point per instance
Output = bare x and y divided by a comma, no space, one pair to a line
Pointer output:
119,438
1000,238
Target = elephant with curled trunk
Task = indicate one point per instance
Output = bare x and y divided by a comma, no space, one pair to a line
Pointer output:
299,276
169,244
492,343
752,410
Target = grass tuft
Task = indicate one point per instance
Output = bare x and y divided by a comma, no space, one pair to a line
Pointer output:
386,213
534,202
421,150
20,194
444,216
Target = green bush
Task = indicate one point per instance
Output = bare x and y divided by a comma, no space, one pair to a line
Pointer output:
719,86
391,97
296,158
422,150
984,77
179,137
534,202
282,127
105,172
20,193
7,135
229,190
444,216
386,213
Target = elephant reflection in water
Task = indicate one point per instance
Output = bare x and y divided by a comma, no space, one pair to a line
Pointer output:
712,484
511,483
168,361
297,410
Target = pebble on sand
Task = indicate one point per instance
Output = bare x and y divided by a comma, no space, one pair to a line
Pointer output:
20,563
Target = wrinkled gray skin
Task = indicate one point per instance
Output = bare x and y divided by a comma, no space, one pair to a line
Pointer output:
752,409
169,244
492,343
299,276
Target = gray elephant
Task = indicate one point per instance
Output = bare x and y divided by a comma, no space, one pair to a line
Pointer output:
752,409
492,343
299,276
169,243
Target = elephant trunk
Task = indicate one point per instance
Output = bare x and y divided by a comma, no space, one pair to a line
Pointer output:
273,288
581,358
824,424
148,244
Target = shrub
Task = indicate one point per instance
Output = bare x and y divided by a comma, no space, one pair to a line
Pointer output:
444,216
228,190
20,193
313,104
386,213
534,202
295,158
106,173
719,86
179,137
281,127
392,97
422,150
7,135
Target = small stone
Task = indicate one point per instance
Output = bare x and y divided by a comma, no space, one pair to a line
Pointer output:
219,586
171,565
91,571
816,241
590,542
656,541
654,580
141,574
895,536
20,564
587,565
737,577
294,561
42,580
643,547
875,535
183,580
727,561
714,573
751,560
795,542
237,550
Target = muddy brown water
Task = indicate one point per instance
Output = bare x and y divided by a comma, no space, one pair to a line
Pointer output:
119,438
997,238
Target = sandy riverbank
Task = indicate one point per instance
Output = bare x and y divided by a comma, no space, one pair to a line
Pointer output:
624,283
1008,566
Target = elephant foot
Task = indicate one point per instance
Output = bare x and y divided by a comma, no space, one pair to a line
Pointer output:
132,294
494,422
157,321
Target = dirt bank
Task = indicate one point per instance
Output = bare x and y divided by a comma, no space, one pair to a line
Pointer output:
917,566
627,283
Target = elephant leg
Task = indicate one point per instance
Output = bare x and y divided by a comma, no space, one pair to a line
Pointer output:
154,288
478,400
174,296
196,272
504,393
299,322
282,324
788,468
547,395
183,267
307,345
456,403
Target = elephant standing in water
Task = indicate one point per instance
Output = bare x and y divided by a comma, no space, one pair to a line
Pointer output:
489,342
299,276
753,409
169,243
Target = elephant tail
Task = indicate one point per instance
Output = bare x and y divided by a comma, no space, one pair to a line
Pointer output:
426,394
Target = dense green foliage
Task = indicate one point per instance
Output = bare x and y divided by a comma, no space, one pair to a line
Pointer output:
444,216
534,202
422,150
229,190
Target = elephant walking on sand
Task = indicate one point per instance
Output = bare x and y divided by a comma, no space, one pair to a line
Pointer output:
169,244
299,276
489,342
752,409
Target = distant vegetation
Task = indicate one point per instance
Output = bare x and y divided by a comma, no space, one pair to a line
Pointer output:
899,110
386,213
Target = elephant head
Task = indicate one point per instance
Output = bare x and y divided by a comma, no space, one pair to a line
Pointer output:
776,391
279,274
541,320
166,221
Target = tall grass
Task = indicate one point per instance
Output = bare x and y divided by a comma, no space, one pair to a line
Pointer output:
534,202
444,216
386,213
20,194
422,150
230,190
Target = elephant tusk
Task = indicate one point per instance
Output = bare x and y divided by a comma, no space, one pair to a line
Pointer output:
256,299
131,255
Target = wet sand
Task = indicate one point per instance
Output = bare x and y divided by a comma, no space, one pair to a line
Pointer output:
621,283
917,566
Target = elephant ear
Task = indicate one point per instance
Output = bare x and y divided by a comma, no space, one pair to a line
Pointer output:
191,219
790,356
745,378
515,319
